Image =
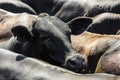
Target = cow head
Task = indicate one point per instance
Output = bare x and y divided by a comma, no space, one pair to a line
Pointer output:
48,38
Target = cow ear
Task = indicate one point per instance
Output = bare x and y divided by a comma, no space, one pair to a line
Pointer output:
79,24
22,33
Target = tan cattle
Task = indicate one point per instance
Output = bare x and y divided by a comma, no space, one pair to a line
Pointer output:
110,60
92,46
8,20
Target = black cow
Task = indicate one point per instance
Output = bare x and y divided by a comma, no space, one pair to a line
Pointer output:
15,66
69,9
90,8
16,6
105,23
41,6
48,38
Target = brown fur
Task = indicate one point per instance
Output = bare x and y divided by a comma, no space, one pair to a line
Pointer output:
110,60
9,20
90,44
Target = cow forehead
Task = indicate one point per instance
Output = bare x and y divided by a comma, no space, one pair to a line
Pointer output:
51,24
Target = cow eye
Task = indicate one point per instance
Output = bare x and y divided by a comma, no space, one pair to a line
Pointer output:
47,39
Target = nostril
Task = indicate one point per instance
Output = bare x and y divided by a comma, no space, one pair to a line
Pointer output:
72,62
76,63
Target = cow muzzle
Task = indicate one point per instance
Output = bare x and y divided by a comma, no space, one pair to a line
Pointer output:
75,63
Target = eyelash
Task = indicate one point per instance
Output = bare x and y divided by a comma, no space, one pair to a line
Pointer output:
46,38
49,39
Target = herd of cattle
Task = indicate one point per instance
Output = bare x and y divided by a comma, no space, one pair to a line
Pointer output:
82,36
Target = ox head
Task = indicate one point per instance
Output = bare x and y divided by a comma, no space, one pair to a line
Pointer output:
48,38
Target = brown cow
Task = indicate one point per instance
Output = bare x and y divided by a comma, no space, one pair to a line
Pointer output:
92,46
8,20
110,60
